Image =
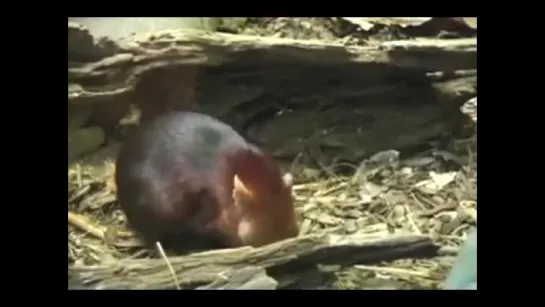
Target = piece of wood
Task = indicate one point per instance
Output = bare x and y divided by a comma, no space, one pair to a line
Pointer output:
189,47
244,267
326,101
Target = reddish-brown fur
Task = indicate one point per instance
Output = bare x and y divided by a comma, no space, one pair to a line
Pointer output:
190,181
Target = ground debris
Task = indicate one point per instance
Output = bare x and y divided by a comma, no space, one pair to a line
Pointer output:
377,206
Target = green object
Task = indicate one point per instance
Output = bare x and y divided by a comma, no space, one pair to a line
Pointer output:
463,275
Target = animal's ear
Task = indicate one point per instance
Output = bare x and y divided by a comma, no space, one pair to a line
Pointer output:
245,199
239,189
258,173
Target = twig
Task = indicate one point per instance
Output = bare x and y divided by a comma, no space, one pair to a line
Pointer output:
437,210
418,202
79,176
396,271
411,220
170,268
84,224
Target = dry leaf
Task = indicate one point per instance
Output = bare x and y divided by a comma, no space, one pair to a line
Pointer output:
436,182
365,198
372,190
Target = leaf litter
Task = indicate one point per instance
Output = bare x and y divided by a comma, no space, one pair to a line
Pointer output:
389,196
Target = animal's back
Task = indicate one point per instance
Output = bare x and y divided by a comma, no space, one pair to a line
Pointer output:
182,140
171,174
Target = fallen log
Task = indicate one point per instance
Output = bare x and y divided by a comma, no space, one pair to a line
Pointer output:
242,268
324,100
191,47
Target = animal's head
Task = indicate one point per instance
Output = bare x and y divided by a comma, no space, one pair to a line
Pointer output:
264,199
